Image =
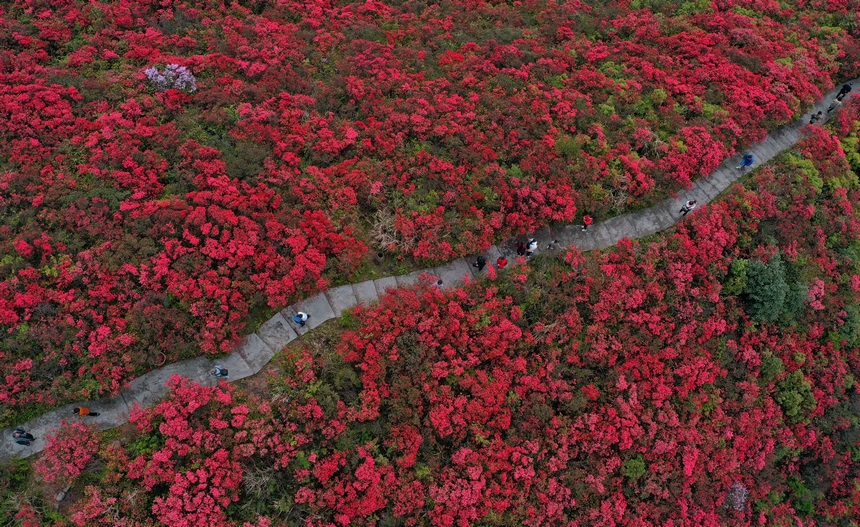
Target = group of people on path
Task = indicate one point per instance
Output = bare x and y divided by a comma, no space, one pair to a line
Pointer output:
481,262
837,102
24,438
300,318
527,249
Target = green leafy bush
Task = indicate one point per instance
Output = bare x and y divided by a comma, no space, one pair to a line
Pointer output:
634,468
794,395
771,367
765,289
795,302
850,330
567,146
737,279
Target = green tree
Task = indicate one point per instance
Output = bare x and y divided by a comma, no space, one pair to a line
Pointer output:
766,289
850,330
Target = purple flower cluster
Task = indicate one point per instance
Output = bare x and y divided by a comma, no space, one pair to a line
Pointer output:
736,498
174,76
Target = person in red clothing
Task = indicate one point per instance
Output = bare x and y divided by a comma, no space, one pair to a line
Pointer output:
501,262
83,410
586,221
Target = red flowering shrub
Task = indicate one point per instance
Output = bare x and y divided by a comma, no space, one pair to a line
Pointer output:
140,219
67,452
628,387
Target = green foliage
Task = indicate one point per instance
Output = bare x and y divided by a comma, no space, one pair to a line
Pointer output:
10,416
771,366
851,145
302,461
695,8
644,108
737,278
423,472
244,159
556,81
14,475
654,5
850,330
567,146
145,444
852,253
610,69
794,395
516,171
713,111
801,497
348,320
807,168
634,468
795,302
766,289
607,109
746,12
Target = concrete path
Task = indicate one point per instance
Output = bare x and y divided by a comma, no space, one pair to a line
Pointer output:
260,346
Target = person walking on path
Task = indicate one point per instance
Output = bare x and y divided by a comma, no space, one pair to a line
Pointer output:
219,372
747,161
834,105
690,205
501,262
438,284
553,245
814,118
532,248
83,410
20,436
843,91
480,263
521,249
586,221
300,318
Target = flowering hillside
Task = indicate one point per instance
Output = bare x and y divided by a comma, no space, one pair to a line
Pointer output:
167,167
707,378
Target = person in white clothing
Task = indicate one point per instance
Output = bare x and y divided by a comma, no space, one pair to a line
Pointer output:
532,248
690,205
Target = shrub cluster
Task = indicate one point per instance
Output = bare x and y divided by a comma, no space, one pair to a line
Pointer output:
627,387
173,170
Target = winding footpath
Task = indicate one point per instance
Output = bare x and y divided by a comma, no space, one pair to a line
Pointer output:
259,347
